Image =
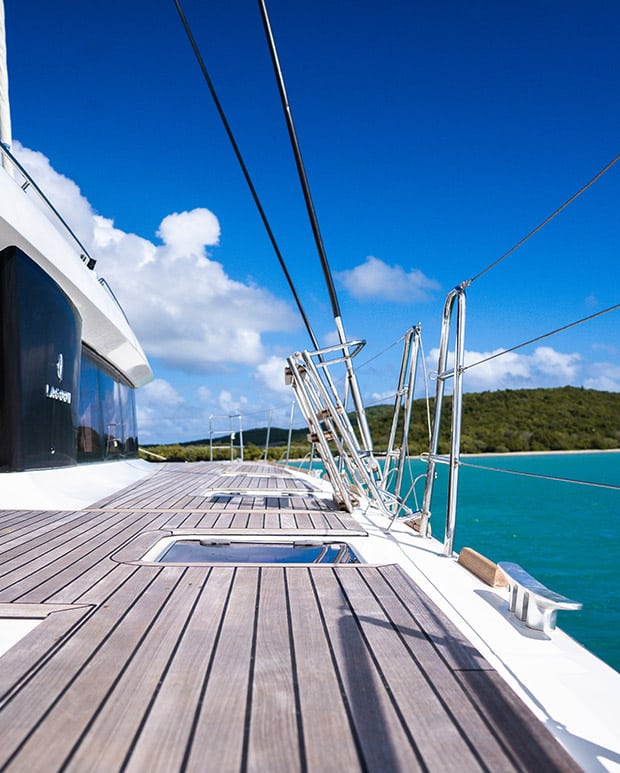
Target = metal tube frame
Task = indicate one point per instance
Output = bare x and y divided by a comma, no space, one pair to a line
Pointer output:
455,297
328,422
405,389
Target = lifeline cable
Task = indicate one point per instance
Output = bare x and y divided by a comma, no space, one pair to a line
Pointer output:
611,486
575,196
540,338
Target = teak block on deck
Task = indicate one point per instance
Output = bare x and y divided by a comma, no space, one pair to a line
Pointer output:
482,567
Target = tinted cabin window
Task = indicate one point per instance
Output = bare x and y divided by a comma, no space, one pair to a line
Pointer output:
107,427
40,361
58,401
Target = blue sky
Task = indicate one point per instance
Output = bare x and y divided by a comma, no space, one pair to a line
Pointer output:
435,136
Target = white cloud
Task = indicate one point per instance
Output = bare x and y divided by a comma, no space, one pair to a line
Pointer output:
159,409
381,398
230,405
60,190
331,338
184,307
560,367
605,376
376,279
545,367
158,392
271,374
204,394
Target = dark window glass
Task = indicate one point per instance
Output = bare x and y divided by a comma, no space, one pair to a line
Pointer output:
107,413
195,551
128,412
90,430
39,367
58,401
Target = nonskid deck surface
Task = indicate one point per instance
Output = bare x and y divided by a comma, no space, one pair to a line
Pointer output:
274,668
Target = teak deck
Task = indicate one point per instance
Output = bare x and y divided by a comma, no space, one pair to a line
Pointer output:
162,668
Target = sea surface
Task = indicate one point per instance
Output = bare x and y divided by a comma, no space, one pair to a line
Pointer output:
565,534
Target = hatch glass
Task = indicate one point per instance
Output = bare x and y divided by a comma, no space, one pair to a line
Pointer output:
204,551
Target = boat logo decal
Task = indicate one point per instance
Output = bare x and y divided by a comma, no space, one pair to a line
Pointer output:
57,394
54,392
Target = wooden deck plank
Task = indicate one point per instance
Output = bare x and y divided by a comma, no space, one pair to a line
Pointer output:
55,527
116,723
15,522
162,744
223,712
89,567
303,521
34,649
24,732
329,743
521,732
418,701
287,521
274,742
52,743
201,521
379,730
224,520
402,614
169,668
41,575
454,645
104,588
43,554
256,520
272,521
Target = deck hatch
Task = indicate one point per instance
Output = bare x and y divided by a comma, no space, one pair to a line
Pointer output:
210,550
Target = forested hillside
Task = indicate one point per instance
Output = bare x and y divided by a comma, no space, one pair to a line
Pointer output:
567,418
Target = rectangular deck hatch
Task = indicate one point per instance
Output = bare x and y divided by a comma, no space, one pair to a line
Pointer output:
183,550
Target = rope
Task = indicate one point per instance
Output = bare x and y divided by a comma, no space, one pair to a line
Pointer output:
541,337
611,486
544,223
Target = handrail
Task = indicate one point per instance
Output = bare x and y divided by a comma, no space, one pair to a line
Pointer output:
353,471
232,435
29,181
396,455
356,347
104,283
455,297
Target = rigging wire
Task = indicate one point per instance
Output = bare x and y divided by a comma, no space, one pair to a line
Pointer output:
520,243
541,337
244,170
301,171
381,353
426,394
611,486
352,384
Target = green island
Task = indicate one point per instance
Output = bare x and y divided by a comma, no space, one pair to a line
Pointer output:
506,421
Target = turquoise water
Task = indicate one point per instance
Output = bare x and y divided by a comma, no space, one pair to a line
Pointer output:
566,535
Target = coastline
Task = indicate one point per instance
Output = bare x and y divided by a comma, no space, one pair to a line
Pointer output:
544,453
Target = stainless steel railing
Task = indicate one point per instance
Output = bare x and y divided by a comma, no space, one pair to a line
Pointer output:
455,300
27,183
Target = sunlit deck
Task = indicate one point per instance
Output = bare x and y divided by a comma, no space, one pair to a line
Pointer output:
277,668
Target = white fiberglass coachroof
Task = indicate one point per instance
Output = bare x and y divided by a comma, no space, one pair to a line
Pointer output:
104,326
